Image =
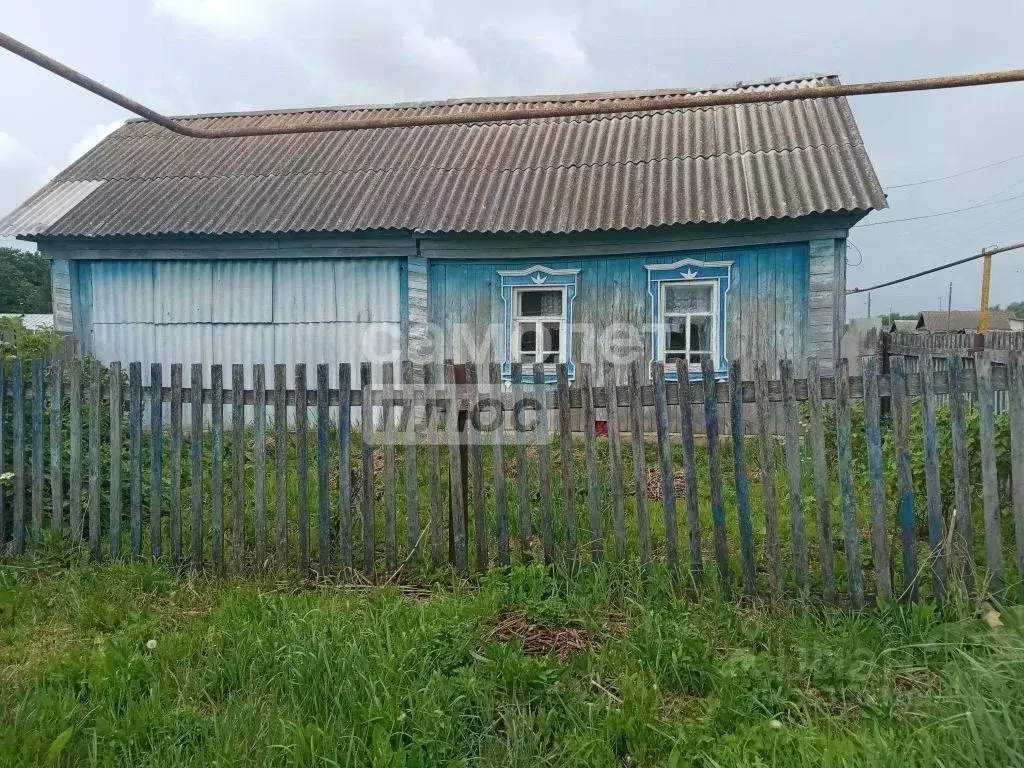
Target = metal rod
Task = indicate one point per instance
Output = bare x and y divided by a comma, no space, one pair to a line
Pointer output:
575,109
986,279
958,262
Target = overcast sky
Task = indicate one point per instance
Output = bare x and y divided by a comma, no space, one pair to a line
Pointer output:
183,56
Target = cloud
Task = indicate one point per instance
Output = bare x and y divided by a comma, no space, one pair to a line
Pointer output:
21,172
378,50
91,138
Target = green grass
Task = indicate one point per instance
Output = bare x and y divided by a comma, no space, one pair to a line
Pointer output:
259,672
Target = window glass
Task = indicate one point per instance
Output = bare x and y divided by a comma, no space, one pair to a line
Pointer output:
528,338
680,299
540,303
700,333
675,334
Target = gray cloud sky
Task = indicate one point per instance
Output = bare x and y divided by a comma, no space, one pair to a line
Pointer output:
186,56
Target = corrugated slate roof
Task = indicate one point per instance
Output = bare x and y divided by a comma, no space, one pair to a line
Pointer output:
962,320
572,174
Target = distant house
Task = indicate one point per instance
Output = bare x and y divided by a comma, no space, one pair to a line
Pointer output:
961,322
716,231
32,322
903,326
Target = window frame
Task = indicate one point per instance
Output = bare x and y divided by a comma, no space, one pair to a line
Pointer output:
713,313
537,321
692,271
541,278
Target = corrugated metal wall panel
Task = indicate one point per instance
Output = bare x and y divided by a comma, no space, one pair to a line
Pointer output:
122,291
243,292
246,343
126,342
183,291
304,292
368,290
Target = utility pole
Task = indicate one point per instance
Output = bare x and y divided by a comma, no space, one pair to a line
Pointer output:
986,279
869,305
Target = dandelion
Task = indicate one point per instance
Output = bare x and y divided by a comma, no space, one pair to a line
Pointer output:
151,644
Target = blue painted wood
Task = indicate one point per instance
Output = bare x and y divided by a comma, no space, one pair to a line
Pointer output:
689,472
715,473
135,456
156,457
18,439
345,465
844,461
904,476
75,449
963,545
739,466
217,471
766,445
876,481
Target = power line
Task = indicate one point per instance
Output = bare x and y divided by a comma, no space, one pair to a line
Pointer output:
954,175
958,262
943,213
692,99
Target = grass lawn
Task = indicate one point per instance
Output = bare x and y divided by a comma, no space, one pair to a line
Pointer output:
522,668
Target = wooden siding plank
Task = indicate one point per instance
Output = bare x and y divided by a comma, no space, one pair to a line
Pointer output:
767,459
904,476
739,462
217,470
595,537
794,476
476,465
366,444
715,472
75,447
345,466
156,458
323,470
390,500
689,471
196,455
56,447
668,484
280,464
615,451
1015,371
434,435
933,484
876,480
543,464
95,459
135,456
238,451
174,512
259,460
844,467
37,450
989,475
455,480
565,444
500,493
822,490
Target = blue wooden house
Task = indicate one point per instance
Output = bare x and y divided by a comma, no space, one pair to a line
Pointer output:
667,235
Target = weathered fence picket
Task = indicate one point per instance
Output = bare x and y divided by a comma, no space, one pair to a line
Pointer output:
468,417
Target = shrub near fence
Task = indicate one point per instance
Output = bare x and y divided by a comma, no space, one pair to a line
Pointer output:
830,506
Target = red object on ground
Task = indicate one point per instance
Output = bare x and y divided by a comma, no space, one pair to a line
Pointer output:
601,428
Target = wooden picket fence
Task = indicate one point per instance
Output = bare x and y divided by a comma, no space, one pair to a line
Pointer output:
507,505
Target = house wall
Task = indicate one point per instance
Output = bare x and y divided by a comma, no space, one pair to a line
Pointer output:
216,302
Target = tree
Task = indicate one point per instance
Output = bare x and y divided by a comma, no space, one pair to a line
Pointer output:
24,282
1016,308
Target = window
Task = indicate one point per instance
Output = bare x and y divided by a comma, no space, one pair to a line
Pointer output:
538,319
539,326
688,311
688,322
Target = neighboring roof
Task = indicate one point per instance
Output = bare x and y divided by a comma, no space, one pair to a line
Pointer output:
958,321
903,326
32,322
572,174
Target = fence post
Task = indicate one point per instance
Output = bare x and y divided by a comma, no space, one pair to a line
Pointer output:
876,479
565,444
135,455
281,464
961,470
217,458
615,451
500,500
767,457
56,448
739,461
75,449
390,512
196,456
822,489
595,533
636,413
3,453
905,478
794,475
689,471
174,513
302,467
156,454
411,478
1015,374
94,460
37,449
238,451
18,437
668,486
989,474
476,464
933,486
259,459
844,443
715,471
543,464
345,465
